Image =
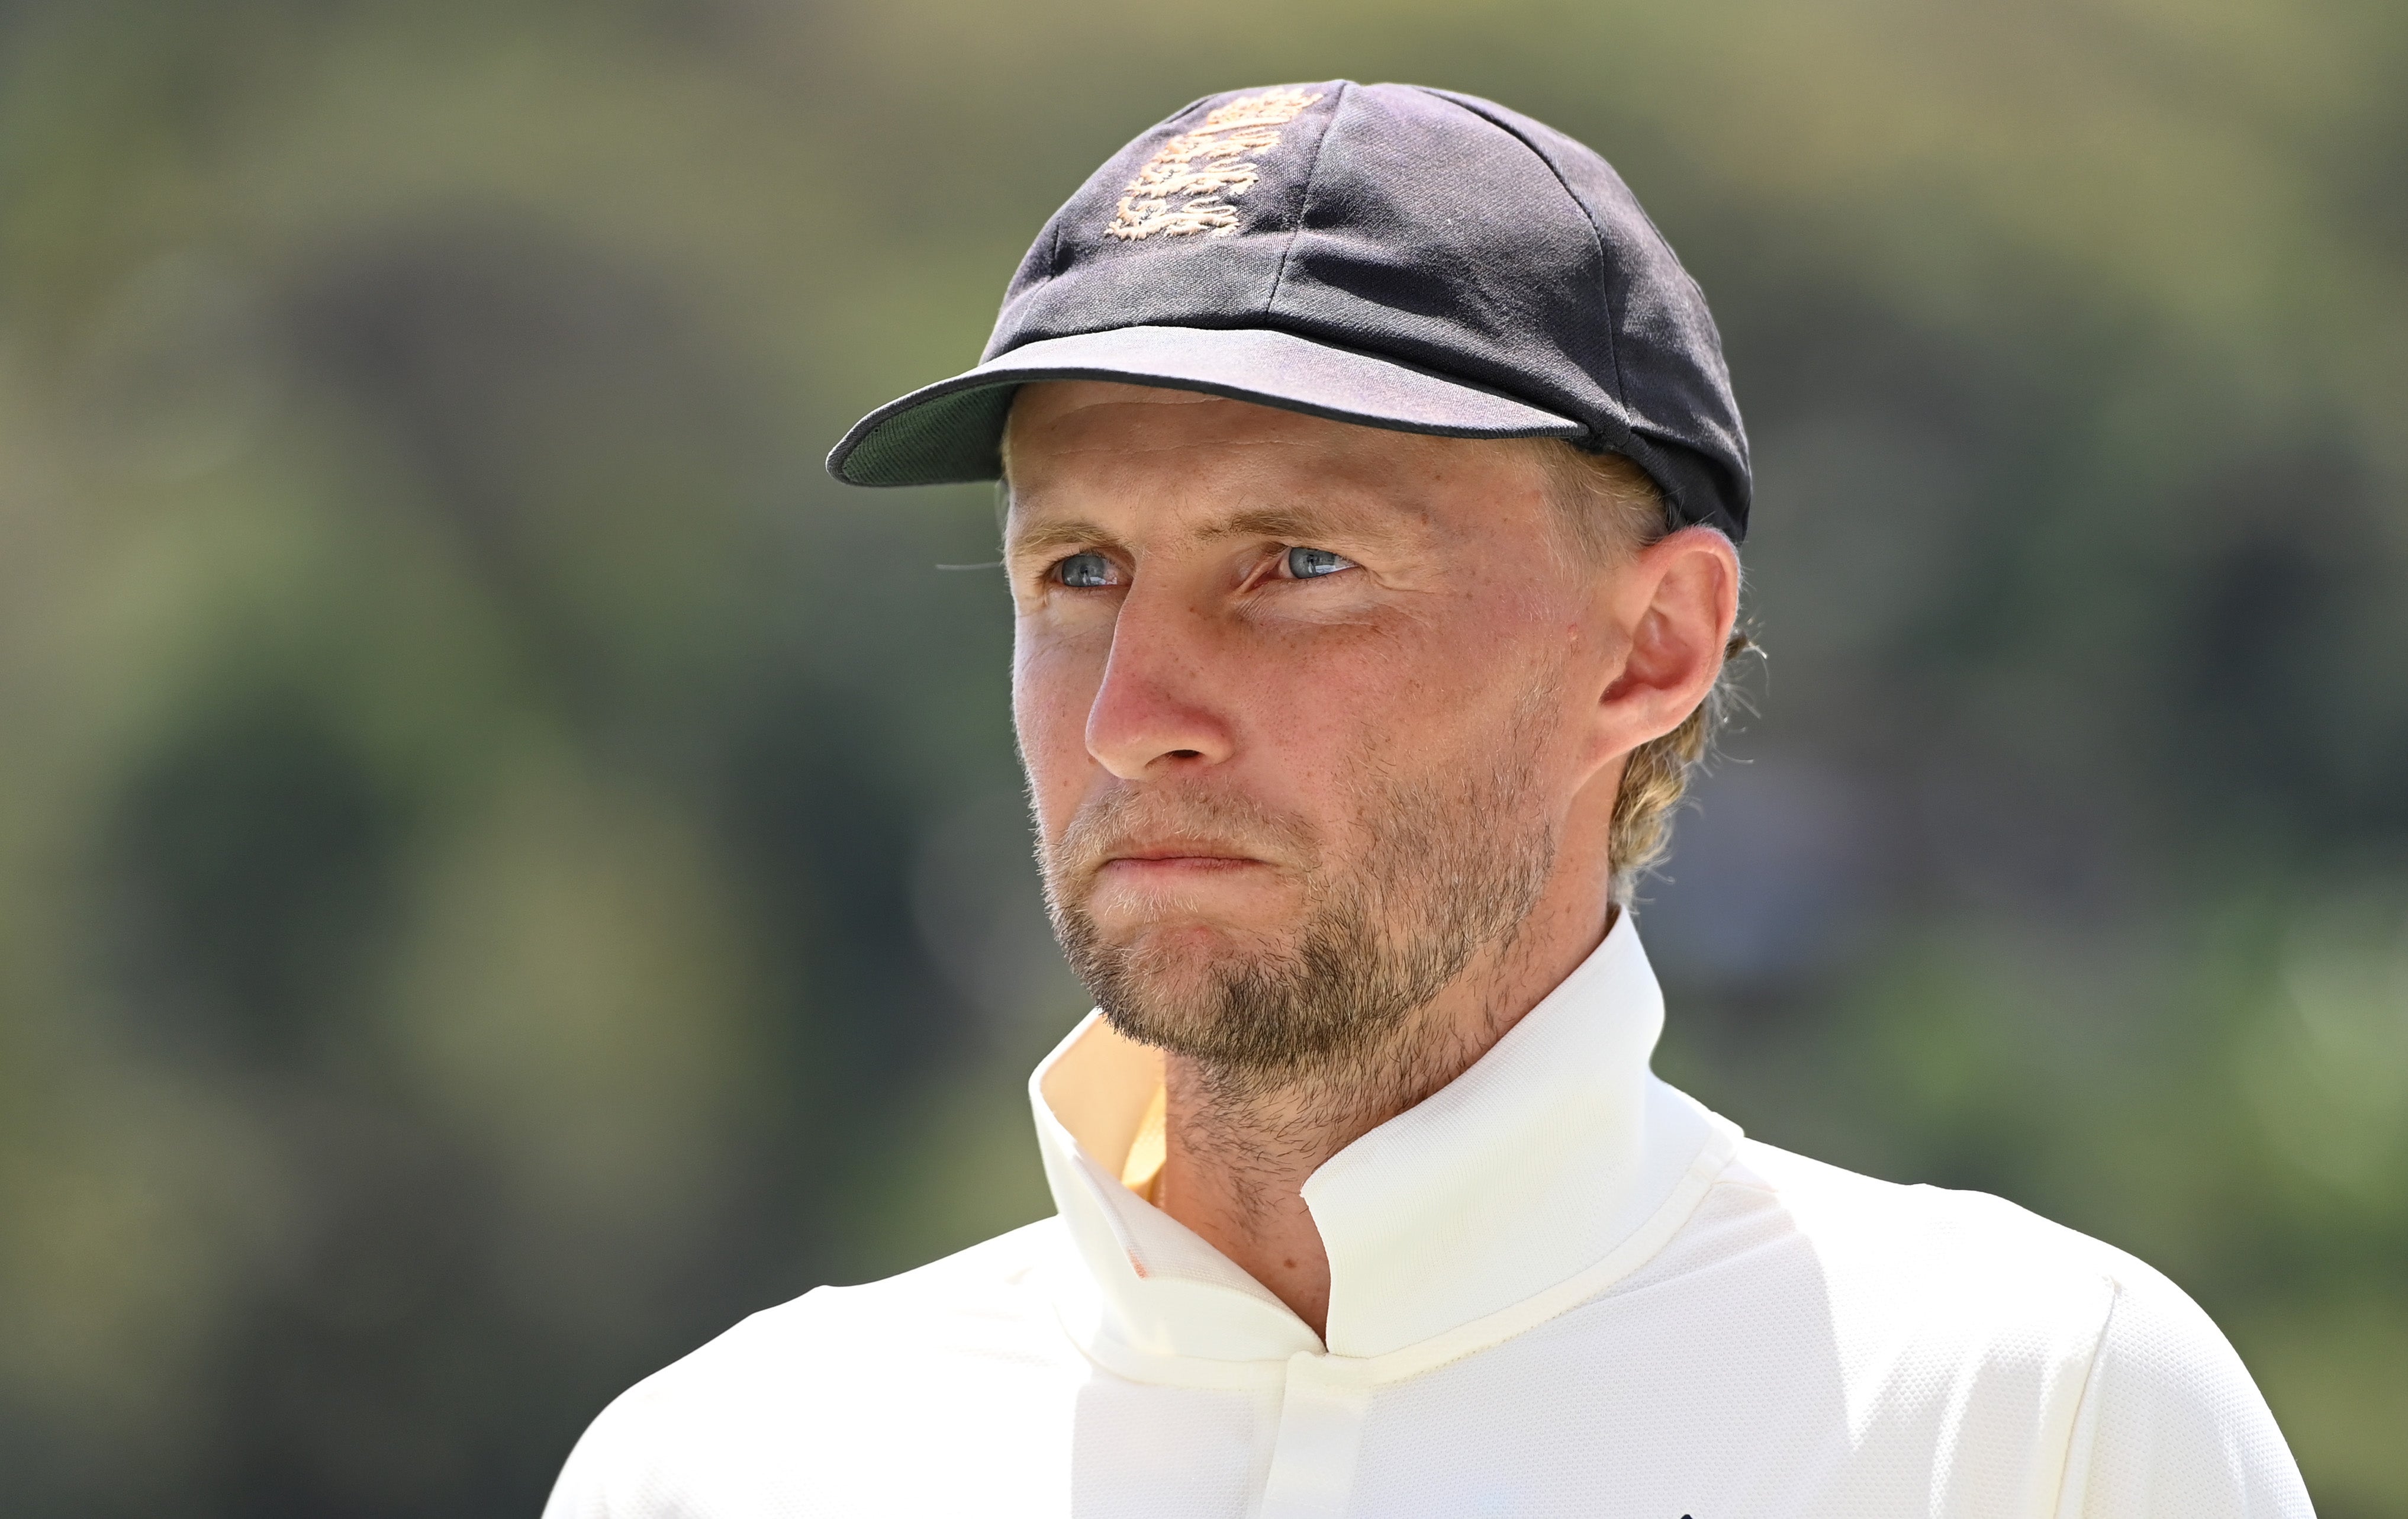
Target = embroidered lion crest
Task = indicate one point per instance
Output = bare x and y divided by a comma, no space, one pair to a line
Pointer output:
1186,187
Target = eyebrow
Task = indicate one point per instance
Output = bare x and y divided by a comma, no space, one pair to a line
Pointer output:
1068,533
1275,522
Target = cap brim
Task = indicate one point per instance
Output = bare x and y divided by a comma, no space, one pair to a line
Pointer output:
954,430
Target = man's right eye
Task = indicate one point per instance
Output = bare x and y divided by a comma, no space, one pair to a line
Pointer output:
1085,571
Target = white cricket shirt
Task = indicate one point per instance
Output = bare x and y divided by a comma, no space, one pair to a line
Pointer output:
1558,1287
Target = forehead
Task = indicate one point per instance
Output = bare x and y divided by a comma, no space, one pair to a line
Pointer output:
1077,442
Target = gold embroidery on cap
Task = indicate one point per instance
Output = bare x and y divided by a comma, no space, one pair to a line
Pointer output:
1187,185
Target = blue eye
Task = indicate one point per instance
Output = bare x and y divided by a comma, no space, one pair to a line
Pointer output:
1085,571
1313,563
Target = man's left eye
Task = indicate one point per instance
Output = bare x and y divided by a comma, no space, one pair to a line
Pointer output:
1313,563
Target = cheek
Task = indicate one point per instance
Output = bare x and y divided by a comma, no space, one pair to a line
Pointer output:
1053,685
1321,715
1435,695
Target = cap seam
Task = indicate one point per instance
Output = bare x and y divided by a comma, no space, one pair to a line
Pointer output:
1304,201
1589,219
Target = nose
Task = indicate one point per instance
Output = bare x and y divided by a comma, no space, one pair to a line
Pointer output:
1155,711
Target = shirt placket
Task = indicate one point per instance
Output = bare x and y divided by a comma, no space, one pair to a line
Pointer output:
1322,1407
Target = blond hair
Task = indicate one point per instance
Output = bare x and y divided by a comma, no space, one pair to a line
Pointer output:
1611,509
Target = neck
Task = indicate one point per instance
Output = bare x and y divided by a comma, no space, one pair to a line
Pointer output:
1238,1147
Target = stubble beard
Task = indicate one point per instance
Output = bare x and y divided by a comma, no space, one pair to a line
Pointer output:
1450,869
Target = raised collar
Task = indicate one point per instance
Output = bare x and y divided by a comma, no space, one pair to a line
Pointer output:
1557,1163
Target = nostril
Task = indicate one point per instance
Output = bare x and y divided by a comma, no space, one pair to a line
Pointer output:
1186,753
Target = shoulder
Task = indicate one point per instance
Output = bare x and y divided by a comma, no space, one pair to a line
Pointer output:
1858,1221
1980,1259
1919,1286
833,1371
982,1298
1966,1291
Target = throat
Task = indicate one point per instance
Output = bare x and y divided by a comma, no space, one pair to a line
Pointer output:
1238,1146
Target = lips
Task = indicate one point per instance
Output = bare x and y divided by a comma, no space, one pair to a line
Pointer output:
1180,851
1170,865
1138,833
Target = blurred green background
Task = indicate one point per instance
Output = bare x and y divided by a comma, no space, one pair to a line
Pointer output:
504,868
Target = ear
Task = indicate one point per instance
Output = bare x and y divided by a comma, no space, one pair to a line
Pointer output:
1673,604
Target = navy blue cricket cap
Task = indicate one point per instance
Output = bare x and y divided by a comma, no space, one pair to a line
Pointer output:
1377,253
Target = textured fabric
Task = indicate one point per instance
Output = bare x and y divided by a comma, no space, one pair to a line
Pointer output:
1379,253
1598,1301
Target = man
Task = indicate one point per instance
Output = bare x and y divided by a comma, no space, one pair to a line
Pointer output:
1373,482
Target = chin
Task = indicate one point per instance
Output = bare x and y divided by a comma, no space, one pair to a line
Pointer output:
1177,962
1196,946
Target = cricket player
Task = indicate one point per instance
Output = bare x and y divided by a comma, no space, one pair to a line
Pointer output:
1375,491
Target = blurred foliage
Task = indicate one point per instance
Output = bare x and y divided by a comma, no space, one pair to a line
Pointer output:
504,870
